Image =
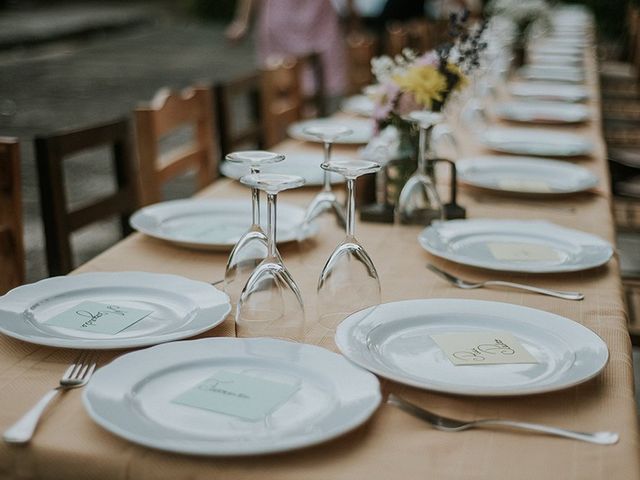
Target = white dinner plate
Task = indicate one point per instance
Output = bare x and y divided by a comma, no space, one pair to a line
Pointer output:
549,91
181,308
559,73
542,112
132,396
212,224
533,246
538,142
525,175
575,50
538,59
362,129
303,164
394,341
358,105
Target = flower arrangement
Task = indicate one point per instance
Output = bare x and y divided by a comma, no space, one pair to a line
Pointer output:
411,82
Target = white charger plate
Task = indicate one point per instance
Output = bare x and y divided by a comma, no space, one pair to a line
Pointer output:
132,396
305,165
538,59
550,49
538,142
549,91
552,73
525,175
358,105
181,308
213,224
362,128
542,112
394,341
468,242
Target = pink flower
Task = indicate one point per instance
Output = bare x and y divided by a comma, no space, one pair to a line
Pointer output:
407,104
385,101
430,58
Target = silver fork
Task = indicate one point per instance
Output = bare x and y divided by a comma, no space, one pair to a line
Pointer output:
76,375
452,425
458,282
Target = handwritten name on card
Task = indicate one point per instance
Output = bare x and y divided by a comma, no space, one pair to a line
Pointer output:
522,252
244,396
482,348
99,317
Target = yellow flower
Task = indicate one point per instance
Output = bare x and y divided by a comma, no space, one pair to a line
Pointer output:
425,82
455,69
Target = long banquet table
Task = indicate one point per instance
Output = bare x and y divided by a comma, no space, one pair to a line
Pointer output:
68,445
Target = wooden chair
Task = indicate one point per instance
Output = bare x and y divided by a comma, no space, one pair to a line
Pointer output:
361,48
314,103
420,35
281,98
59,221
167,113
397,38
11,234
243,92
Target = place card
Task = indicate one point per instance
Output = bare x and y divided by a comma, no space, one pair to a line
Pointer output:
238,395
211,233
482,348
99,317
530,252
523,185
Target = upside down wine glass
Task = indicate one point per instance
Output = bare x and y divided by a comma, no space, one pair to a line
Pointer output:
326,199
419,202
270,304
349,281
251,249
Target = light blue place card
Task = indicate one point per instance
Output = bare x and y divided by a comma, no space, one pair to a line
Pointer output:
238,395
99,317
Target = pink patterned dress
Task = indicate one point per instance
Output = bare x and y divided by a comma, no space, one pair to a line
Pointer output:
298,27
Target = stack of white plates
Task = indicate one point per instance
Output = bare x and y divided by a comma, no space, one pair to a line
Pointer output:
533,141
542,112
525,175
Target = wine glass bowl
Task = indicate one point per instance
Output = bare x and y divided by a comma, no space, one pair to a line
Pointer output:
326,199
251,248
349,281
270,304
419,202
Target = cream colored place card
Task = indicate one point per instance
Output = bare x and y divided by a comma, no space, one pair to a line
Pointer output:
530,252
244,396
482,348
99,317
521,185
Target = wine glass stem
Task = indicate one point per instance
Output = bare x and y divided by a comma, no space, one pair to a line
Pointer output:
255,201
327,158
422,151
351,207
271,221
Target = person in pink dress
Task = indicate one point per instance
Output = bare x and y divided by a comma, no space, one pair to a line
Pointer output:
296,27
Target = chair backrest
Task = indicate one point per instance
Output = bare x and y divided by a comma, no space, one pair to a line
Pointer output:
239,97
167,113
397,38
421,35
11,239
59,220
314,102
632,32
361,48
281,98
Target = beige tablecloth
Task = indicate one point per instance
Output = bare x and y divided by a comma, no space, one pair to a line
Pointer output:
68,445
